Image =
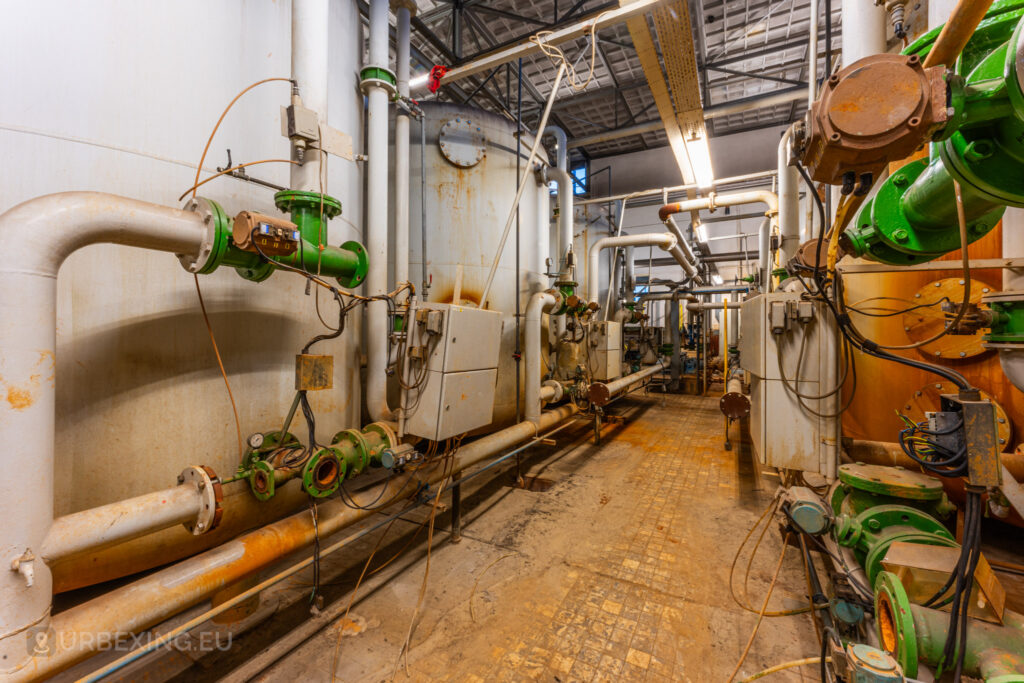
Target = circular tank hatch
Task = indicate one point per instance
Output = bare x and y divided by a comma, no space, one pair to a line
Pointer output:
462,142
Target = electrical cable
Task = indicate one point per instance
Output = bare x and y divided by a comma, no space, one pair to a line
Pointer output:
556,55
782,667
764,606
202,182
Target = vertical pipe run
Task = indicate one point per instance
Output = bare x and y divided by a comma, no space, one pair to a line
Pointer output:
789,206
404,16
812,56
377,220
539,304
309,71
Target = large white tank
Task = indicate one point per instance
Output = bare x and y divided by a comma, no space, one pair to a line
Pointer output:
471,184
124,106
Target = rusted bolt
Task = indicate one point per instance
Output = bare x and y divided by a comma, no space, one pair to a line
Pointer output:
834,137
963,354
833,79
915,121
914,59
901,235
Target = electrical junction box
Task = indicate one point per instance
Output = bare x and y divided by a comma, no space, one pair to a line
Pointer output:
605,348
459,348
785,431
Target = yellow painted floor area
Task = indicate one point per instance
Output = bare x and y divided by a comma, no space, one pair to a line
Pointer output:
618,572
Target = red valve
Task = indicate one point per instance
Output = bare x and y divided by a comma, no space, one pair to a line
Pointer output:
436,74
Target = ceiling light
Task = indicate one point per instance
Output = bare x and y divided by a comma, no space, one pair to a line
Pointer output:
701,232
716,278
699,154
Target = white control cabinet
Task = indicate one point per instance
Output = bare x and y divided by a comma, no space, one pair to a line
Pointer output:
785,433
460,347
605,339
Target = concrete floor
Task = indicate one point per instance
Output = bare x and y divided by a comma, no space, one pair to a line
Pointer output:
617,572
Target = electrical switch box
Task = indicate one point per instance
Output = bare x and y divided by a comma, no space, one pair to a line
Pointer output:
454,370
299,122
790,431
605,348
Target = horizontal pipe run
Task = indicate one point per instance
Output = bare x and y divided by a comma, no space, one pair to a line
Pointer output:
720,290
601,393
713,201
159,596
108,525
760,175
713,306
664,240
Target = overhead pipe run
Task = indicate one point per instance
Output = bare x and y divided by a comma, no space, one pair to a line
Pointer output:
379,84
662,191
714,200
666,241
35,238
135,607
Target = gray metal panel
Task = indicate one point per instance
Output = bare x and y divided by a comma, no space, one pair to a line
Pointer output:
751,324
454,403
472,339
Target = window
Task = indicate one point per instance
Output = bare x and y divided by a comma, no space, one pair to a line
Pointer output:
579,179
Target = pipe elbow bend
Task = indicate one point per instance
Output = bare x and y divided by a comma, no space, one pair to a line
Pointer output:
667,210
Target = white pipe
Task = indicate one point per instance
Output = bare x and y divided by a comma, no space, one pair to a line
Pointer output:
713,306
602,392
666,241
35,239
789,204
689,263
1013,247
542,243
764,253
377,220
565,219
139,605
309,70
404,16
630,271
539,304
812,55
561,146
863,30
98,528
760,175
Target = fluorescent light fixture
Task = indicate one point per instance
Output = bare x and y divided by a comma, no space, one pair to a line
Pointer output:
699,154
701,232
716,278
419,82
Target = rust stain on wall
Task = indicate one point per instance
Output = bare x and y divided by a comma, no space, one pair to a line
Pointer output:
19,398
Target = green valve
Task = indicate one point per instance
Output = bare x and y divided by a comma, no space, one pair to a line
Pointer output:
348,263
913,216
1007,325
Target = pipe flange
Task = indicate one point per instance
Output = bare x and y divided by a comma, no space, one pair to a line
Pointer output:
894,622
215,241
323,473
261,480
212,494
378,77
557,386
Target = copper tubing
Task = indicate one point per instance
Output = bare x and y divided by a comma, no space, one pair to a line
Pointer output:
957,30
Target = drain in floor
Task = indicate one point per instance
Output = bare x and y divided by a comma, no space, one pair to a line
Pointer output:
539,484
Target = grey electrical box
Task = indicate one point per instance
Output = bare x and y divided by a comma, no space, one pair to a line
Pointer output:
605,347
785,430
459,346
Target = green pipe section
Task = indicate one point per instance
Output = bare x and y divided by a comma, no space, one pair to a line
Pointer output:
913,216
912,634
348,264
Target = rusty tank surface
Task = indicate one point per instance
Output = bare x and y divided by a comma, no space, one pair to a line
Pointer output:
471,183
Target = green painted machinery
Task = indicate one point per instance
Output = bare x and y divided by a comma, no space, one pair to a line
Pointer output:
271,461
309,211
913,216
877,506
913,634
